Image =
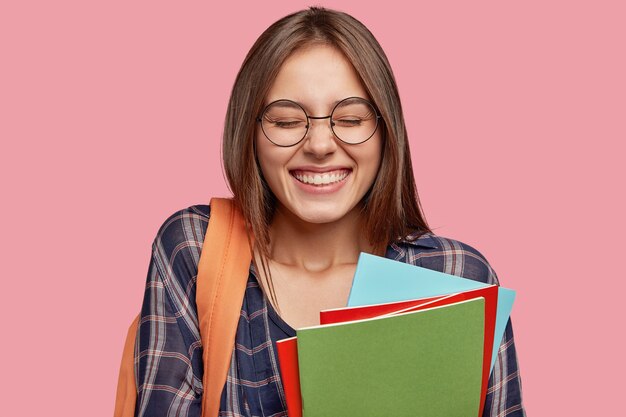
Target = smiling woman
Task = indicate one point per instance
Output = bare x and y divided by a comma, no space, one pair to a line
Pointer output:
316,153
319,179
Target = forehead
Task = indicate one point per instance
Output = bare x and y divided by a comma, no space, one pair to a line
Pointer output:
316,76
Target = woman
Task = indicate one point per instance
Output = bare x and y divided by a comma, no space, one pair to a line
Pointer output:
315,151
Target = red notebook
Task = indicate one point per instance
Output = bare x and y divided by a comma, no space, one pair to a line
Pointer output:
288,348
339,315
290,374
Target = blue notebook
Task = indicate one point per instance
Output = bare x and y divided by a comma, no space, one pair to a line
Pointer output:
380,280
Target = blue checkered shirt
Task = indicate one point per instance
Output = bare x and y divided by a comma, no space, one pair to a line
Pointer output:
168,351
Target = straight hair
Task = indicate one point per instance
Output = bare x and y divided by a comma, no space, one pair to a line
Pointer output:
391,208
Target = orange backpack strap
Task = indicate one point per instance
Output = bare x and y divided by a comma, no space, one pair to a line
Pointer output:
126,384
220,288
222,276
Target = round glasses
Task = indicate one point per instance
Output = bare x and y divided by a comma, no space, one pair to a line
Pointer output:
285,123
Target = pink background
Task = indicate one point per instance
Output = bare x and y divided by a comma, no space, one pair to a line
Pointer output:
110,119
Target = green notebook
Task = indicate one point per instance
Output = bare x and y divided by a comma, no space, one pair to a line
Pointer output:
425,363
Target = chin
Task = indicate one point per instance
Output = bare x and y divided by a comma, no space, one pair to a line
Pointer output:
318,218
320,213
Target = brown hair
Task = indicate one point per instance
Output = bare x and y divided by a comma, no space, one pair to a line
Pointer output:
391,207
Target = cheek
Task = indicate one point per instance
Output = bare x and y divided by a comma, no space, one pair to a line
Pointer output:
271,161
263,154
371,158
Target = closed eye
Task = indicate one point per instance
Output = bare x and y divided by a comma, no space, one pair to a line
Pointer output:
289,125
348,122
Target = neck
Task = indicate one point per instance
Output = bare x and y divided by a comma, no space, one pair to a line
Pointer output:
317,247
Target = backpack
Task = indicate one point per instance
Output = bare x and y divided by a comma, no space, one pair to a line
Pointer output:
222,276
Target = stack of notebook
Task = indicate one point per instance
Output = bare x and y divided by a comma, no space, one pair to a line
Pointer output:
412,341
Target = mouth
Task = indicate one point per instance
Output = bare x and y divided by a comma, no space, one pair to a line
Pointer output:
320,179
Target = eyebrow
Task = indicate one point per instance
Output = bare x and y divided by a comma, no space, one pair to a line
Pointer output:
289,104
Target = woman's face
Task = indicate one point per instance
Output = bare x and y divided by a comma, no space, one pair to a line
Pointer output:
317,77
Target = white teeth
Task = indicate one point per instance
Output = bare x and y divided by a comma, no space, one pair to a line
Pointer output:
322,179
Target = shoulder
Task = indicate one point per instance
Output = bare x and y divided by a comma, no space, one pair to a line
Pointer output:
446,255
178,243
183,226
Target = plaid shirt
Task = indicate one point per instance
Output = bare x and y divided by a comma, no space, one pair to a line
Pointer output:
168,350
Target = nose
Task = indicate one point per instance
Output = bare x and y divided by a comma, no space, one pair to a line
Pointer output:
320,140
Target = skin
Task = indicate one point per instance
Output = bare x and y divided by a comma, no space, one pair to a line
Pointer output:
316,238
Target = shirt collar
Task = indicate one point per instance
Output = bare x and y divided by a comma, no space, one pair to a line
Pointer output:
425,240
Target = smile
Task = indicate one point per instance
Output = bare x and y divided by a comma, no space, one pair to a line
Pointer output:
321,178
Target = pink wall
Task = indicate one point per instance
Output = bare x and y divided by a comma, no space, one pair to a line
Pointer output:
110,120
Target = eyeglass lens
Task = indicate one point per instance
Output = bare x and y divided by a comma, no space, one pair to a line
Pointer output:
353,121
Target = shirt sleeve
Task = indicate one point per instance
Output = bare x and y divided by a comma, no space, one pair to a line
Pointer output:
504,391
168,350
